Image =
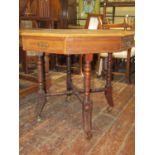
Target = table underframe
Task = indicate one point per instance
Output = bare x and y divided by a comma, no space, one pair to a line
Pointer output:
87,105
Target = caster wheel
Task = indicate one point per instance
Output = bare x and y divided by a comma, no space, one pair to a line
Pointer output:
109,109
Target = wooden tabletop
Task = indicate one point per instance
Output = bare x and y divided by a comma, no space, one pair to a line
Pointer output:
76,41
74,33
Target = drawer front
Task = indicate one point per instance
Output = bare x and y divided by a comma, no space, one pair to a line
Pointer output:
43,45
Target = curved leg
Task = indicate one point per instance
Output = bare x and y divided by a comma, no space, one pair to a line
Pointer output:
87,105
108,87
41,99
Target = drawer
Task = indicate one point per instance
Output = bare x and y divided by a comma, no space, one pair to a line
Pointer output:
43,45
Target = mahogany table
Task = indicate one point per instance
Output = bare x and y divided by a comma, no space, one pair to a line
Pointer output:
67,42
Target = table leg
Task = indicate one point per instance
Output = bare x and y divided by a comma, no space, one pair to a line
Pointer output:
69,78
87,105
41,99
104,67
47,75
108,87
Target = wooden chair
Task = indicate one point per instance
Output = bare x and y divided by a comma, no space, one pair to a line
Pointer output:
126,55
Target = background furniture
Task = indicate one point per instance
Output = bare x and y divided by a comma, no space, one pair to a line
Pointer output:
127,55
115,4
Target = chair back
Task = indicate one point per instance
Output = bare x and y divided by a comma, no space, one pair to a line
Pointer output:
127,24
94,21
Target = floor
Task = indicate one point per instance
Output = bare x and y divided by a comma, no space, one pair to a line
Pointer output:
60,131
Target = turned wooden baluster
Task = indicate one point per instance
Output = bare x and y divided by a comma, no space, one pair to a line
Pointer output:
41,99
87,105
69,78
108,87
47,75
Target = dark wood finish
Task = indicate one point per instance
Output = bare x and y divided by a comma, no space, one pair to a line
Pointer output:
28,77
46,13
114,5
69,79
125,25
72,12
121,4
108,87
58,13
68,14
41,87
47,74
87,105
128,68
23,5
76,42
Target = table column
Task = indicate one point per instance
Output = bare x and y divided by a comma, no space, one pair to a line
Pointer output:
47,74
87,105
41,99
69,78
108,87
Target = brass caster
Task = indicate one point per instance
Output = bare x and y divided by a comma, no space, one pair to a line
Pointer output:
88,135
39,119
109,109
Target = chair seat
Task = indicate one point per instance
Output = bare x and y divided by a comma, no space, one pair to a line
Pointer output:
122,54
